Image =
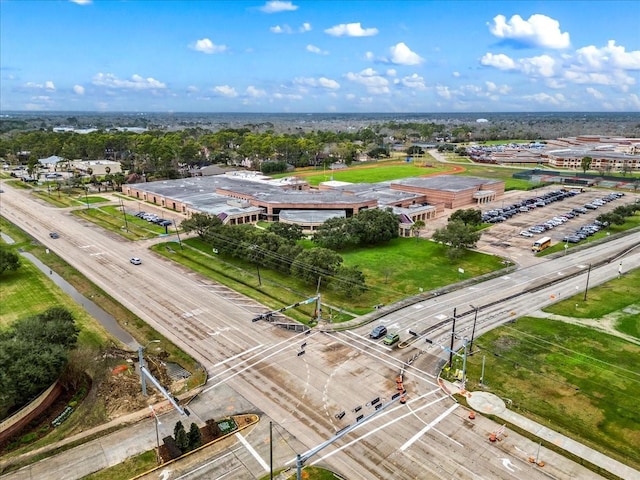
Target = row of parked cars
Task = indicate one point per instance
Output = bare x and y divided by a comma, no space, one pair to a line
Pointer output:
153,218
501,214
560,219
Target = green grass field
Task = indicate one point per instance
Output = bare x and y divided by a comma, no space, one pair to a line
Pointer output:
573,379
577,380
393,271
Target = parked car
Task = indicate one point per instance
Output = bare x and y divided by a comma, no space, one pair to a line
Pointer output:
525,233
378,332
391,338
135,260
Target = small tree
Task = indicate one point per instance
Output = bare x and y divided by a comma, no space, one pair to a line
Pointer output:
194,437
9,260
180,435
458,237
586,163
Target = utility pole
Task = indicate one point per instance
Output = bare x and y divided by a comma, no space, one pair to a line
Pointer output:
473,331
587,285
453,334
271,450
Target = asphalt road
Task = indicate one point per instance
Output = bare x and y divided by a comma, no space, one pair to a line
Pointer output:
257,367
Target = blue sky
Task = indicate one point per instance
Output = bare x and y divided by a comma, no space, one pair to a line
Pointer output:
319,56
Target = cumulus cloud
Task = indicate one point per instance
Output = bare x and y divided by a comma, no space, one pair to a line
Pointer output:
598,95
205,45
610,56
542,66
317,50
278,6
351,30
81,2
373,82
401,54
48,85
456,74
414,81
280,29
225,91
287,96
322,82
305,27
443,91
499,61
135,83
78,89
546,99
537,31
255,92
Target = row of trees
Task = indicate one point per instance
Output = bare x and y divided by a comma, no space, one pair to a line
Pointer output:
277,249
618,215
34,352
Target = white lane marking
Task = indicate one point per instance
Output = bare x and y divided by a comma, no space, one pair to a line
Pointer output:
205,465
381,427
235,356
278,348
248,446
441,417
506,463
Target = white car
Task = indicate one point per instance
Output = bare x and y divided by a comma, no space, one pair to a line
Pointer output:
135,260
525,233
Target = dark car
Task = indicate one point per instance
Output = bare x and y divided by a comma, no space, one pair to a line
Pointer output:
54,235
378,332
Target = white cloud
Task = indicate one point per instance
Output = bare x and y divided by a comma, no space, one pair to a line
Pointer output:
255,92
443,91
192,89
351,30
369,55
317,50
48,85
391,72
81,2
305,27
281,29
135,83
595,93
537,31
499,61
456,74
322,82
373,82
414,81
78,89
611,56
278,6
546,99
287,96
543,66
401,54
225,91
205,45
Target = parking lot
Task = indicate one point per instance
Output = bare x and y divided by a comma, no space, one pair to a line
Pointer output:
504,237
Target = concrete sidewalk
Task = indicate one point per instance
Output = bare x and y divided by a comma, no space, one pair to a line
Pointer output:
488,403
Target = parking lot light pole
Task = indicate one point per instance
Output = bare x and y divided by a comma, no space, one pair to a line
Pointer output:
586,288
473,331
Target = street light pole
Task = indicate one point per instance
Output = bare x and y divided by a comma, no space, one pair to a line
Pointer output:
157,422
453,334
141,361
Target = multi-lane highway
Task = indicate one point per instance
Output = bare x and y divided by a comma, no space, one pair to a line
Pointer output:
255,366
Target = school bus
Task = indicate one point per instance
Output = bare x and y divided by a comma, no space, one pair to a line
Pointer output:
541,244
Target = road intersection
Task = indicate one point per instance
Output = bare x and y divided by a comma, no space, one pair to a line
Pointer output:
255,367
